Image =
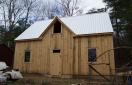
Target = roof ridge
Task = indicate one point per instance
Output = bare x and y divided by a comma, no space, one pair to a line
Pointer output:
83,15
72,16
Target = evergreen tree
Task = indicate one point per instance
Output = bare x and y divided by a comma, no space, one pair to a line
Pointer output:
121,16
7,37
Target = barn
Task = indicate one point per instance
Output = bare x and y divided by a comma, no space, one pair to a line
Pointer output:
65,47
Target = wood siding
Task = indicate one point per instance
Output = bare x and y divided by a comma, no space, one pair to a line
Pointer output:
105,64
42,53
73,56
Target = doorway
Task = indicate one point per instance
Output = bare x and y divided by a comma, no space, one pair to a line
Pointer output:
55,63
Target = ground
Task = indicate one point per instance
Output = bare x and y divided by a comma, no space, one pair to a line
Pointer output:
37,79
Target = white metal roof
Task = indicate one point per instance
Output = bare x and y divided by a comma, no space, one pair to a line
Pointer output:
85,24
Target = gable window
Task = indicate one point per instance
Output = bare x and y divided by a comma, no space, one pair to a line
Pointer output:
27,56
92,55
57,27
56,51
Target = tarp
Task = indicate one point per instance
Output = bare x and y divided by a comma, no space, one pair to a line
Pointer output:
3,65
15,74
2,79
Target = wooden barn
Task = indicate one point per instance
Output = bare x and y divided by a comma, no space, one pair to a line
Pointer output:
65,47
6,55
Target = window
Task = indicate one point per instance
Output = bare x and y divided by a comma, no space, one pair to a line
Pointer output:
27,56
92,55
57,27
56,51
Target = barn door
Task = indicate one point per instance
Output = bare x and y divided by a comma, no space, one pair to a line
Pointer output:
55,63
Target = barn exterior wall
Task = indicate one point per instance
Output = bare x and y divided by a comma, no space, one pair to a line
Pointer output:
42,53
73,58
105,64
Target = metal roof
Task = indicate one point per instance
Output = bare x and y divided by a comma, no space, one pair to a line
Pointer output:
85,24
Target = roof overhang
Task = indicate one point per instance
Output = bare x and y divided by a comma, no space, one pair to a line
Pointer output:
94,34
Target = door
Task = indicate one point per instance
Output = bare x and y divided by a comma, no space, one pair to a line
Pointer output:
55,63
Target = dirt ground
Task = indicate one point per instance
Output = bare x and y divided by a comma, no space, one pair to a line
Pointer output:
37,79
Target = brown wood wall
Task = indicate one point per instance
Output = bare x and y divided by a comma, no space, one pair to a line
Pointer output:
73,59
102,43
42,53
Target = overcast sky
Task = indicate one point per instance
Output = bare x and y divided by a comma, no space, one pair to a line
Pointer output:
89,4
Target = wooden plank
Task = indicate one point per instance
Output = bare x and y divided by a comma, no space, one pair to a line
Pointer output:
79,55
76,69
83,59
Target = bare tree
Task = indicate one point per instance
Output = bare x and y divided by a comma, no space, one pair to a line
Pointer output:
11,12
70,7
4,16
14,10
60,8
46,10
29,5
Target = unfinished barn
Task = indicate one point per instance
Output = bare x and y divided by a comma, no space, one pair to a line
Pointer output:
66,47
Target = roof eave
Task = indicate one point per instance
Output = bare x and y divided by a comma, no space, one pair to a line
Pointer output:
94,34
33,39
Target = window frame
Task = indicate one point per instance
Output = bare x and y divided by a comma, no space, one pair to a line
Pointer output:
95,58
57,51
29,56
54,27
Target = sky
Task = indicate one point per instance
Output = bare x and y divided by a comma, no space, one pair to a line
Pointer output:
89,4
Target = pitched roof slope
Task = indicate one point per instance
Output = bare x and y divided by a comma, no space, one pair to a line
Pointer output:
85,24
